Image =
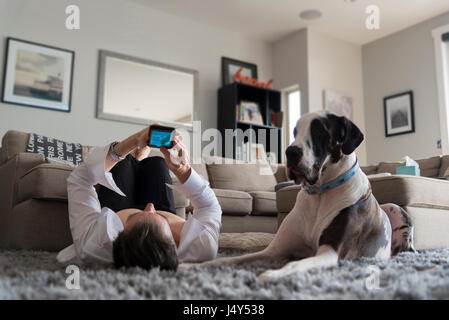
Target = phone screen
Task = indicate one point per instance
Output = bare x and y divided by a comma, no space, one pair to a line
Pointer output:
161,138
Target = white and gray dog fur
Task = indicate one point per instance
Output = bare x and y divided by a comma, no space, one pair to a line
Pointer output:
345,222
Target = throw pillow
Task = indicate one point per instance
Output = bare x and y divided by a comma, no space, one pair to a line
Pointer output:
54,148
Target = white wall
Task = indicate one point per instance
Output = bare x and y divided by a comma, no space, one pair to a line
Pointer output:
290,65
124,27
316,62
400,62
336,64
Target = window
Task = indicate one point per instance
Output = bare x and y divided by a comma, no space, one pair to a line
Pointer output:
441,44
294,112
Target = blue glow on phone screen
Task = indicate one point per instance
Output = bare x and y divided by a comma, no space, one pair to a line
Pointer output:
161,139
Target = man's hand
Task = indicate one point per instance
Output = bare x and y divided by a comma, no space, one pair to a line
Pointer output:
177,160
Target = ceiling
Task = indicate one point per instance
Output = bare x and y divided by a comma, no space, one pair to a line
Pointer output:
270,20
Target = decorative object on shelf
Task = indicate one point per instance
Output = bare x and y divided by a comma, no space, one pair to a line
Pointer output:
229,67
398,112
257,153
271,157
252,82
338,103
276,118
37,75
249,112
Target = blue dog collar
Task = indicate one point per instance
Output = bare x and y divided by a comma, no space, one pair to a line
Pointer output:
336,182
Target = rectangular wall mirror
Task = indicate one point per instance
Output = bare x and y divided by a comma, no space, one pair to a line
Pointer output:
141,91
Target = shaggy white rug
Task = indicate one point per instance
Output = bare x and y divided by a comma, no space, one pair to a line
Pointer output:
36,275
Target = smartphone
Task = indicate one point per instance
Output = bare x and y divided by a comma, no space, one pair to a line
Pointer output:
161,136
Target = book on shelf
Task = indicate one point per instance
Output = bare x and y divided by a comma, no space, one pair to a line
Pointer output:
248,112
241,152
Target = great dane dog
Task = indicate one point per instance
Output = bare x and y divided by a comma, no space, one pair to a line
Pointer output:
335,215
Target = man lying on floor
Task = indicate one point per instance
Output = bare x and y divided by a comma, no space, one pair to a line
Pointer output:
139,230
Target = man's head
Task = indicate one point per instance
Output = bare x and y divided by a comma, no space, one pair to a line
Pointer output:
145,242
320,138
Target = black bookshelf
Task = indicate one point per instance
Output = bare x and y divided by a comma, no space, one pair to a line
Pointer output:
268,100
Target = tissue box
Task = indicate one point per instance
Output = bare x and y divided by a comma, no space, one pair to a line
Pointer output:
408,170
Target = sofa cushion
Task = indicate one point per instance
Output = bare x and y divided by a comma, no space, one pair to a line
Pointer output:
242,177
45,181
264,203
406,190
430,167
389,167
232,202
201,169
444,166
286,198
370,169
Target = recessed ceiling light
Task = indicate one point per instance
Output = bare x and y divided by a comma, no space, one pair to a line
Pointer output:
311,14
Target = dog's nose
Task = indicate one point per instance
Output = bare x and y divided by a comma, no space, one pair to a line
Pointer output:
293,154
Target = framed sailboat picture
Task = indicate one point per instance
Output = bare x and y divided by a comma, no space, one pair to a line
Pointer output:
37,75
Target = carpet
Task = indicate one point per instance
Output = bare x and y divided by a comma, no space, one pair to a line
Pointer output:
36,275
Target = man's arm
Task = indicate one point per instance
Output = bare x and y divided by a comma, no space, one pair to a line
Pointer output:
137,141
205,204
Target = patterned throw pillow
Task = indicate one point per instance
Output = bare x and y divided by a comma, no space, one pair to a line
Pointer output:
56,151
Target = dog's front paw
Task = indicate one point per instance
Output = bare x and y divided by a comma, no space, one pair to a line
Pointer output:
268,275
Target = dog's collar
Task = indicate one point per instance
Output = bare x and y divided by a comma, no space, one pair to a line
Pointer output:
336,182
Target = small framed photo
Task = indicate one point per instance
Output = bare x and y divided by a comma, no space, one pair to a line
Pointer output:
249,112
37,75
230,66
399,116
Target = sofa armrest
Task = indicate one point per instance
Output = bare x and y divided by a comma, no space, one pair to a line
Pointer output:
286,198
407,190
26,161
279,172
10,171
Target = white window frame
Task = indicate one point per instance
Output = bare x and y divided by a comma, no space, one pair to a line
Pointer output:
442,71
287,129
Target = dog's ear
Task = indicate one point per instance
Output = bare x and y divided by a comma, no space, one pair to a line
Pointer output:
346,133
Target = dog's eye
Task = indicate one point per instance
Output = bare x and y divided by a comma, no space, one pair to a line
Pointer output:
294,132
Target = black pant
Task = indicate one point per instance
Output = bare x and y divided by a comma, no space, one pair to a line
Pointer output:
143,182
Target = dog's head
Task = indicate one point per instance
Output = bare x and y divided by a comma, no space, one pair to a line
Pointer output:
320,138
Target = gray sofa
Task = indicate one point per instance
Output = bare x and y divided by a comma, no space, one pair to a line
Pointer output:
33,196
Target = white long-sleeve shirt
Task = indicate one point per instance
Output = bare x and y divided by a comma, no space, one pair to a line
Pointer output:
94,228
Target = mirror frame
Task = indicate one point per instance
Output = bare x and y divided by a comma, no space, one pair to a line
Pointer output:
101,114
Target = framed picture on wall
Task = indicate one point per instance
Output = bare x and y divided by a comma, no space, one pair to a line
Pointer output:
37,75
230,66
399,114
